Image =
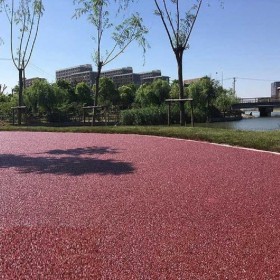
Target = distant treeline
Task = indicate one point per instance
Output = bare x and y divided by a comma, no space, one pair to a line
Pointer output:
143,104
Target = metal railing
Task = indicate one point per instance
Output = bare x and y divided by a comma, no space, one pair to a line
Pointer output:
258,100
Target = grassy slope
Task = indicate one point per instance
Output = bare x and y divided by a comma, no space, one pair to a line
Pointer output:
262,140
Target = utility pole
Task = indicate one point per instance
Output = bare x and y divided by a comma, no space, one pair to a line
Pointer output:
222,78
234,81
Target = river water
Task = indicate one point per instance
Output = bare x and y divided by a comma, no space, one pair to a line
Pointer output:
255,124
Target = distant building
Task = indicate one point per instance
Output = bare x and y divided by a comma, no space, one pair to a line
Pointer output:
77,74
149,77
125,79
124,76
117,72
190,81
29,82
275,90
121,76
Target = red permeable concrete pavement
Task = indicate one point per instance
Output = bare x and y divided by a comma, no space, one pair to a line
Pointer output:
94,206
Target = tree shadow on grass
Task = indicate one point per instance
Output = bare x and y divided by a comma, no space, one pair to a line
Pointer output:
72,164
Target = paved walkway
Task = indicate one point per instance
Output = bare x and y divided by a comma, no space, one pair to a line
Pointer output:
95,206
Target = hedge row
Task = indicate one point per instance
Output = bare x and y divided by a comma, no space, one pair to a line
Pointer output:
148,116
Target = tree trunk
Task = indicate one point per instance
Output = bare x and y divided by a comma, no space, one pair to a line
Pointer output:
20,93
99,67
97,80
179,57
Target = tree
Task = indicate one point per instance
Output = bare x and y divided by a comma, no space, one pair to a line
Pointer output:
127,95
26,17
152,94
178,28
123,34
161,90
145,96
224,100
69,90
83,93
41,97
203,93
108,94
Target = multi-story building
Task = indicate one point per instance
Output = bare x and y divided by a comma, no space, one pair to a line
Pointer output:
77,74
121,76
125,79
29,82
149,77
275,90
190,81
117,72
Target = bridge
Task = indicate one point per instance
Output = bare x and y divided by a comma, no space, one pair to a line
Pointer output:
264,104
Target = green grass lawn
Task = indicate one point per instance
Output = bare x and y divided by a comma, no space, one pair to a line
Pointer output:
262,140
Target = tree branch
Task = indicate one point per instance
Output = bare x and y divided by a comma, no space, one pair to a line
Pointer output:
34,40
164,23
29,35
21,40
192,25
11,28
122,50
178,22
169,18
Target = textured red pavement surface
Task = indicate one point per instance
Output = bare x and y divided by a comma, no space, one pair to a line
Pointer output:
93,206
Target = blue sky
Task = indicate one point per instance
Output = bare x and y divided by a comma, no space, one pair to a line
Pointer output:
241,39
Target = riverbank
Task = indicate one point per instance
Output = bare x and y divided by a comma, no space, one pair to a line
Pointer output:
261,140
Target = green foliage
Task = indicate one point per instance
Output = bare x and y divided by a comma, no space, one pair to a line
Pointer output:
152,94
209,98
60,101
40,97
130,29
83,94
6,102
24,18
69,90
3,97
174,90
127,95
178,22
224,100
56,101
108,95
203,93
153,115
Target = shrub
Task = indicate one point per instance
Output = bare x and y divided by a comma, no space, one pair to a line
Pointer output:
145,116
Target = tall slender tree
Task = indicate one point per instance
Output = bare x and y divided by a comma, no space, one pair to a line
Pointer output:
103,18
1,2
178,24
24,17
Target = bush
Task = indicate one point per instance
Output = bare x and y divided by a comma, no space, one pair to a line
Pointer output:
57,117
145,116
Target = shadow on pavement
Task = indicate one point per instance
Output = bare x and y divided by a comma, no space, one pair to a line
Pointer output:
84,151
72,164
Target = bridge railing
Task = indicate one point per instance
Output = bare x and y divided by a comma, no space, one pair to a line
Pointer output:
258,100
